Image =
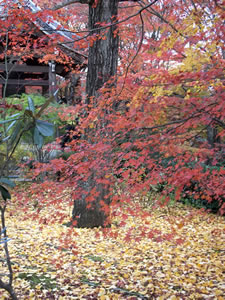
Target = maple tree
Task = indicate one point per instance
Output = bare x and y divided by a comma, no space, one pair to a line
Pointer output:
146,131
159,97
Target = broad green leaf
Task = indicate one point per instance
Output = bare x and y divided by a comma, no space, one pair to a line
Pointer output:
5,193
11,125
11,118
8,121
45,128
15,133
31,104
15,115
7,182
6,138
38,138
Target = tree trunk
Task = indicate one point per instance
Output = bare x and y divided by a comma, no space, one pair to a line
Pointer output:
103,55
102,66
212,135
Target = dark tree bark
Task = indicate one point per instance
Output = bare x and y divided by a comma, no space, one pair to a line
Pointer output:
103,55
102,66
212,135
3,285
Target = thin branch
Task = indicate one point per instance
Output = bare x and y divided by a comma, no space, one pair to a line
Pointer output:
219,122
69,2
118,22
157,14
215,119
136,54
218,5
7,286
99,28
172,122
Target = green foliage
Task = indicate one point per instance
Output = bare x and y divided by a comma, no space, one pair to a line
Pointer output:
95,258
85,280
18,124
43,280
189,199
23,100
44,128
7,182
33,102
26,121
192,194
20,152
5,193
190,191
51,115
66,155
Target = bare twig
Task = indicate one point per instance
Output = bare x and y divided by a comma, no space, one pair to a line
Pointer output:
69,2
7,286
136,54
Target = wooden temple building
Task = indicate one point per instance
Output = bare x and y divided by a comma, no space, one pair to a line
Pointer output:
18,75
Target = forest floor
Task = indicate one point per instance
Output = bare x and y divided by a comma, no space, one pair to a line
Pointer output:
183,257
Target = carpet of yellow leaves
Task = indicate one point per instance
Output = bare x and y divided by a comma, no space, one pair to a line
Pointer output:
57,262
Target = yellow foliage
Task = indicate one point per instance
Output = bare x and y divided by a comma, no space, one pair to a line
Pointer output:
194,60
109,267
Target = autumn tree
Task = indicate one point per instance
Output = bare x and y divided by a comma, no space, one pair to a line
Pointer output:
102,69
165,106
146,127
102,65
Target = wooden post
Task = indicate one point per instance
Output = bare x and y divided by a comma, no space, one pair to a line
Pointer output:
52,78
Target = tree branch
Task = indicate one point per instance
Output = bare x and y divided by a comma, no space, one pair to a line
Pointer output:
69,2
136,54
7,286
181,121
157,14
115,23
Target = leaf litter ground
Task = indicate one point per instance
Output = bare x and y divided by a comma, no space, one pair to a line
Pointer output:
57,262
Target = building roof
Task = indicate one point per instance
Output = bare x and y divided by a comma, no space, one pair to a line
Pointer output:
67,39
